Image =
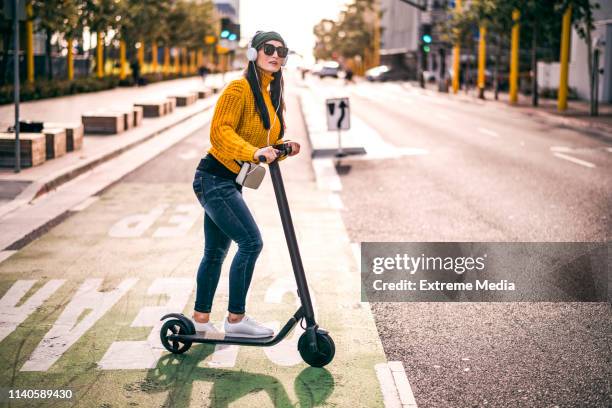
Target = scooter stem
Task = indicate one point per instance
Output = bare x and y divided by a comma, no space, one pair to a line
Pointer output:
294,251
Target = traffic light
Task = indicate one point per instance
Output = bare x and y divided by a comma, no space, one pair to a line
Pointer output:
229,30
426,38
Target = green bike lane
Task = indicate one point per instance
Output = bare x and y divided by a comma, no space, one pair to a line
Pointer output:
80,306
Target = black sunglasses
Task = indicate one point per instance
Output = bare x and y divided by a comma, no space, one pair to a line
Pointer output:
268,49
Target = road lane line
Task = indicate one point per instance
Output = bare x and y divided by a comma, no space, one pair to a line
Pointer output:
564,149
394,385
401,383
442,117
488,132
387,386
574,160
609,149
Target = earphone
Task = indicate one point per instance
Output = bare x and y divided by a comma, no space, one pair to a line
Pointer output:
251,52
251,55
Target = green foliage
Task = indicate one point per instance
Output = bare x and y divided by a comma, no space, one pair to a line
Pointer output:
348,37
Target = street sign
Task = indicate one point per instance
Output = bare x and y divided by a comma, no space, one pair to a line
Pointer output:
338,114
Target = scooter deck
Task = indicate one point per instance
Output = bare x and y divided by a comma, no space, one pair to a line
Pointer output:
220,338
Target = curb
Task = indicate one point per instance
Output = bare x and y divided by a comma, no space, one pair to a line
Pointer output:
41,187
23,224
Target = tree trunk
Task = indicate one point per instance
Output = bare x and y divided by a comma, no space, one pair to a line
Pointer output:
48,54
534,66
6,40
593,108
496,69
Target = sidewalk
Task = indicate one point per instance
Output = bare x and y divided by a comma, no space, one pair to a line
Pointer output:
17,189
576,115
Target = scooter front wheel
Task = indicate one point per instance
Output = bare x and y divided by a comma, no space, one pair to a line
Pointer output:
174,326
324,355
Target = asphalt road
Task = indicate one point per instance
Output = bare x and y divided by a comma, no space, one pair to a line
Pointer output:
490,174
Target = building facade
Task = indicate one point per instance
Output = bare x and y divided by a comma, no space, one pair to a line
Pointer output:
602,40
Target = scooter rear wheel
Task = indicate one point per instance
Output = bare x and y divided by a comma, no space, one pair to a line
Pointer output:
325,353
174,326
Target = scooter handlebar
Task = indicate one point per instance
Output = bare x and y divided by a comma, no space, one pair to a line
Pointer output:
284,148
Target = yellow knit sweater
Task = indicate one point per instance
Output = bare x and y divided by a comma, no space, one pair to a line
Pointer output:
236,131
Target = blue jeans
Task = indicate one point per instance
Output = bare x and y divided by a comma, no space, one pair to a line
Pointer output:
226,219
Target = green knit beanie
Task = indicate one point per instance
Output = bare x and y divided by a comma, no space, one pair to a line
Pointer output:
265,36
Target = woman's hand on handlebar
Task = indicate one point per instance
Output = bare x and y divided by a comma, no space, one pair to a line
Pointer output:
295,147
268,152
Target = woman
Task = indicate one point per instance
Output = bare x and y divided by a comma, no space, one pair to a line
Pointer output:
248,119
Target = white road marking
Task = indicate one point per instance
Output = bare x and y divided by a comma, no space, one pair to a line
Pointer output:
326,175
68,329
609,149
189,154
574,160
387,386
442,117
284,353
394,385
224,356
85,203
563,149
488,132
12,316
335,201
4,255
401,383
182,223
144,354
135,225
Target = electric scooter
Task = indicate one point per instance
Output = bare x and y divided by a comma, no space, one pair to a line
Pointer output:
315,345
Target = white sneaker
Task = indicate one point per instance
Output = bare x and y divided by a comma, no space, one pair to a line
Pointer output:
204,327
247,327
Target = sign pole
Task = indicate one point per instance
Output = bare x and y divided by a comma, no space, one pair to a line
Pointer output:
340,152
16,82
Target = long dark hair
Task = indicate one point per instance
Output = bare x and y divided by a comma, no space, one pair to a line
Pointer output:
275,95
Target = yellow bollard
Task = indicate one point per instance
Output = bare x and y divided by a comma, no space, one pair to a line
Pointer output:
166,60
154,56
456,56
185,64
141,56
29,44
514,57
200,60
177,61
99,56
122,70
482,61
564,68
70,60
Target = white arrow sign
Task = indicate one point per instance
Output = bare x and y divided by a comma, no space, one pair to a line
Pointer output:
338,114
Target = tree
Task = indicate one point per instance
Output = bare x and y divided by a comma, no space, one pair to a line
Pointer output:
101,15
582,17
6,30
350,36
52,16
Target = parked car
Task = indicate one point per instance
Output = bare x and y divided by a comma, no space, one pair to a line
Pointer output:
385,73
328,69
